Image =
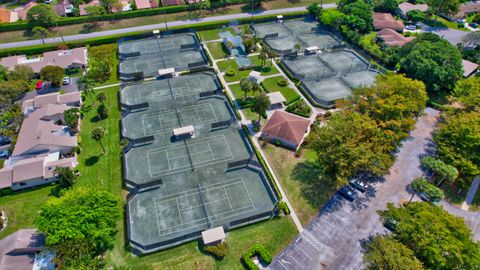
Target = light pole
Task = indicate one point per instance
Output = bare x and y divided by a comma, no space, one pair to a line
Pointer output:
253,10
165,17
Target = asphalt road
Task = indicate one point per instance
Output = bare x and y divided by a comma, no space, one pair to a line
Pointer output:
333,240
152,27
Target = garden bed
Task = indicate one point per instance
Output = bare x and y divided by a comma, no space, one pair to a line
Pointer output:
276,84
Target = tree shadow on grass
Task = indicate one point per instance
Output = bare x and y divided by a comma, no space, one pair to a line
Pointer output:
316,188
90,27
92,160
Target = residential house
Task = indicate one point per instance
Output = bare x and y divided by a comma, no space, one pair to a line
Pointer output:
465,10
7,16
19,249
83,7
393,38
143,4
386,20
43,131
64,58
189,2
405,7
469,68
64,8
22,10
26,172
70,99
288,129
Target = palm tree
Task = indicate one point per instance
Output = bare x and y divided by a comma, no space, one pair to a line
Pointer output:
272,55
261,104
255,87
263,56
85,83
97,134
297,47
246,86
102,97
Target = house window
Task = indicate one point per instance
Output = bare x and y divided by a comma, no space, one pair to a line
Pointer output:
22,184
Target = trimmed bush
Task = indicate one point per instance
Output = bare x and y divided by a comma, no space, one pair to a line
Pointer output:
259,251
246,102
299,108
219,250
230,72
283,208
283,82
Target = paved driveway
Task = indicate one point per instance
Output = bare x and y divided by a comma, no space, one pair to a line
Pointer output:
333,240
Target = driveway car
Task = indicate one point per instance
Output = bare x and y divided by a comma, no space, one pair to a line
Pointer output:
66,80
5,140
347,192
4,154
359,185
411,27
39,85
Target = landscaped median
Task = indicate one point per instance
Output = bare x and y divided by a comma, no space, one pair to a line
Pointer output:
235,74
280,84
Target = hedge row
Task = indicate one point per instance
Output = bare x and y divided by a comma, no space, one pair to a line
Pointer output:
37,49
283,207
262,161
256,250
24,25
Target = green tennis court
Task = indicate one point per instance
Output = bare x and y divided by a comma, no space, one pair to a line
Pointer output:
187,184
154,45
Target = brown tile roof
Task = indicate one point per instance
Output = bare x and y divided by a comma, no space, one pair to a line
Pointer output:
22,11
5,15
392,38
406,7
386,20
467,8
39,130
171,3
286,126
62,58
143,4
33,168
468,68
53,98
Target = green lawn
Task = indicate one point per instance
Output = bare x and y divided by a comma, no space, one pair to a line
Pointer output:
213,33
238,93
441,22
22,207
283,162
271,85
274,234
217,50
240,74
250,115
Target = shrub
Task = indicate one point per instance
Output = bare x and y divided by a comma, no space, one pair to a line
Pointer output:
283,208
283,82
219,250
102,111
256,250
299,108
230,72
246,102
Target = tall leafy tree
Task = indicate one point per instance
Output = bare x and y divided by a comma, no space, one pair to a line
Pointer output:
40,32
433,60
246,86
386,253
21,73
389,6
439,170
261,104
438,239
421,185
458,144
71,117
359,15
314,9
445,7
42,15
467,93
80,225
66,176
53,74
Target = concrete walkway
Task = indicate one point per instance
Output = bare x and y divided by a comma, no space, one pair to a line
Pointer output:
471,194
153,27
246,122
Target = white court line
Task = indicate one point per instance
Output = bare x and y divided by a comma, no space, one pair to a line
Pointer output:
199,164
225,214
226,193
179,213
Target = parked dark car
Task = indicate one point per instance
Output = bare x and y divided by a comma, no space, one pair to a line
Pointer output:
391,224
347,192
4,154
474,25
359,185
5,140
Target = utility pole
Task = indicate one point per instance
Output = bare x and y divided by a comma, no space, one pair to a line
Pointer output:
165,17
253,10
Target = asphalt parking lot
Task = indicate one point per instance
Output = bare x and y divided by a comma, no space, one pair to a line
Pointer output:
333,239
